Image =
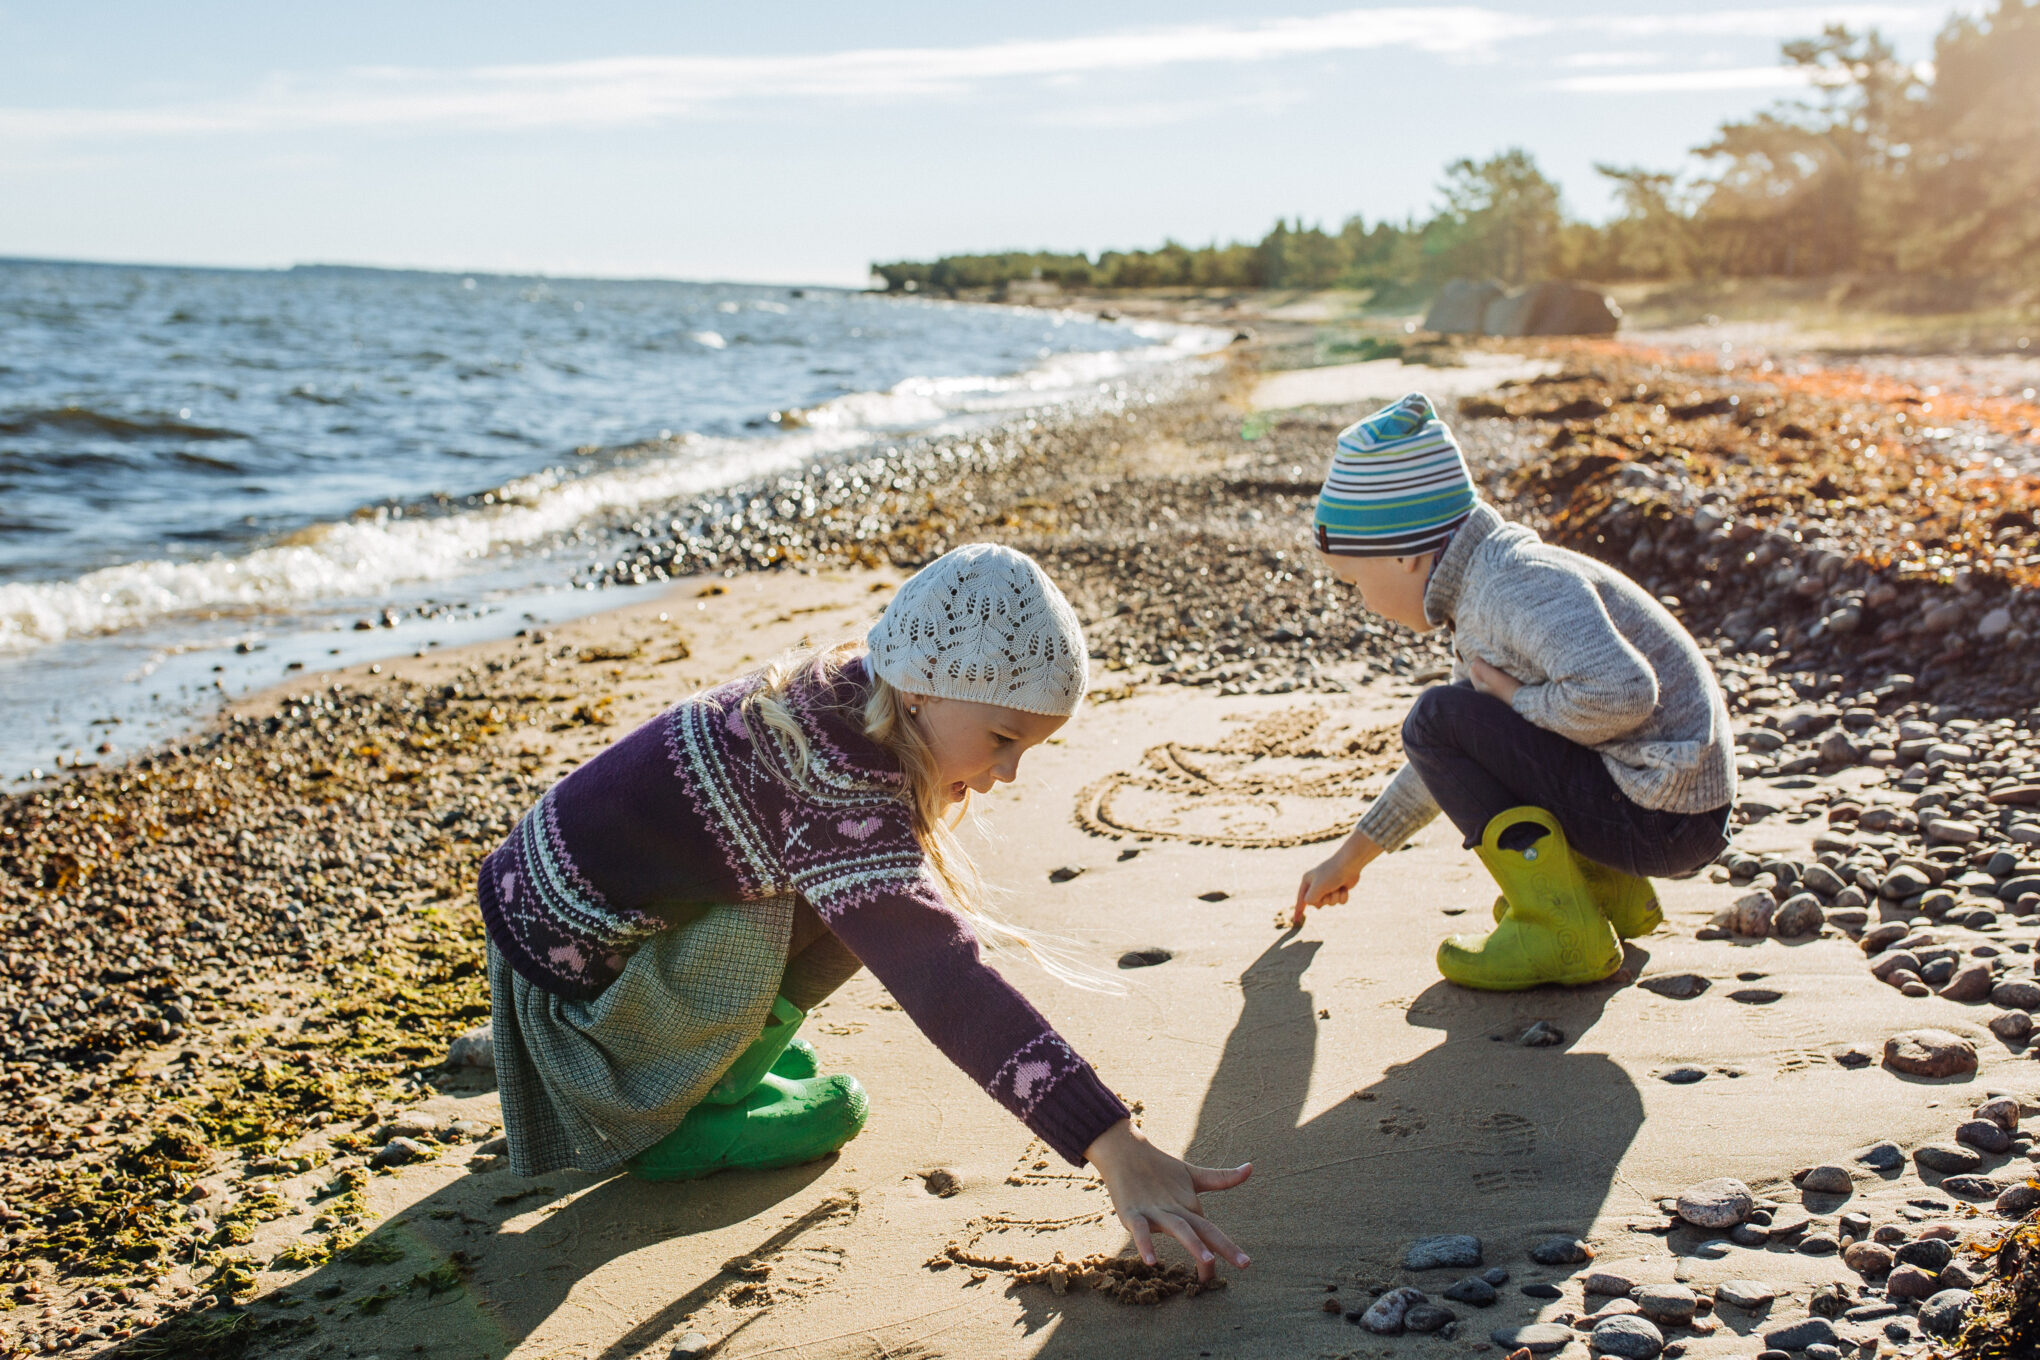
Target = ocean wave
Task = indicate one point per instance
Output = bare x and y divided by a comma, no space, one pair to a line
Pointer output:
82,418
373,551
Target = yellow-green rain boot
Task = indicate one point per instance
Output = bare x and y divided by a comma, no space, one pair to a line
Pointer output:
1551,932
1628,901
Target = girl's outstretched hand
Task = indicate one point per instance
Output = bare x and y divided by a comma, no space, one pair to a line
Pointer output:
1151,1190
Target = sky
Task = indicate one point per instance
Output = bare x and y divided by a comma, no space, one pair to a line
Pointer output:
797,142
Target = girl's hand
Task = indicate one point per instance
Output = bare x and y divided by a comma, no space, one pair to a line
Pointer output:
1329,883
1150,1190
1488,680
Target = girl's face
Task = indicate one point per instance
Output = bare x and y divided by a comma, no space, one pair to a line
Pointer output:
977,745
1392,587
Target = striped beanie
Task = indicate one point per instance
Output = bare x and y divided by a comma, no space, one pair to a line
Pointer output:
1398,485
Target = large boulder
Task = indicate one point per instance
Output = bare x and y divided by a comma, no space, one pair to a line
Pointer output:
1461,306
1553,307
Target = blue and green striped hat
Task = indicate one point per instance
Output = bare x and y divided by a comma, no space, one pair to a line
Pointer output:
1398,485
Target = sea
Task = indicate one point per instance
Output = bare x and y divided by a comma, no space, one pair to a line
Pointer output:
210,478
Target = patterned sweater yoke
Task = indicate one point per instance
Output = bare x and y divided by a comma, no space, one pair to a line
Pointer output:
701,807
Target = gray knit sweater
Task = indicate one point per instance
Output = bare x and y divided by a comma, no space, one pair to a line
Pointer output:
1601,663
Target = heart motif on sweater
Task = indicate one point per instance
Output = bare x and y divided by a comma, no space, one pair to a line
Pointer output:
858,831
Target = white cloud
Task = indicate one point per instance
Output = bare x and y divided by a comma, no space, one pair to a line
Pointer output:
1580,61
1687,82
636,90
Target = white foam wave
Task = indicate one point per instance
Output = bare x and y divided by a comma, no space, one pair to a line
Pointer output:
366,555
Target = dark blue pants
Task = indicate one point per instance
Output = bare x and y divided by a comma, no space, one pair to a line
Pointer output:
1479,758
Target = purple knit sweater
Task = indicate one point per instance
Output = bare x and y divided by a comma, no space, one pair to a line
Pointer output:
687,811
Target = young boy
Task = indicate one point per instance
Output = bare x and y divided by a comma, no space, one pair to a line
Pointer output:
1583,745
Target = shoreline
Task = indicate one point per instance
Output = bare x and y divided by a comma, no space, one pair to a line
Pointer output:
239,960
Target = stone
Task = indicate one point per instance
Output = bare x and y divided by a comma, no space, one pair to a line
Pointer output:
1561,1251
1880,938
1828,1301
1951,831
1628,1336
1947,1159
1818,1244
1904,881
1797,1336
1944,1313
1496,1275
1065,873
1798,916
1672,1303
1828,1180
1677,986
1928,1253
2002,1111
1609,1283
1869,1259
1749,915
1456,1251
1542,1291
1909,1282
692,1343
1535,1337
413,1124
1719,1203
1954,1276
1385,1316
1541,1034
1972,1187
472,1048
1929,1053
1747,1295
1885,1156
1821,880
1612,1308
2017,1201
401,1152
1892,964
1969,984
1683,1076
1985,1135
2016,994
1474,1290
2014,1027
1427,1317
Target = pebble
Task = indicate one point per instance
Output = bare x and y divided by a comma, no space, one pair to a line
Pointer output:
1828,1180
1867,1258
693,1343
1561,1251
1797,1336
1884,1156
1719,1203
1542,1291
1909,1282
1609,1283
1065,873
1971,982
1428,1317
2012,1026
2017,1201
1683,1076
1535,1337
1818,1244
1627,1335
1880,938
1986,1135
401,1152
1929,1053
1750,915
1972,1187
1541,1034
2002,1111
1948,1159
1146,958
472,1048
1677,986
1385,1316
1818,1351
1798,916
1474,1290
1943,1314
1747,1295
1672,1303
1447,1250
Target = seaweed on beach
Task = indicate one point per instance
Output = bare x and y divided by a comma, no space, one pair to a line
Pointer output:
2004,1323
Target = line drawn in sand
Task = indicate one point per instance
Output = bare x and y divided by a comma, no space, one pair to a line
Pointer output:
1292,778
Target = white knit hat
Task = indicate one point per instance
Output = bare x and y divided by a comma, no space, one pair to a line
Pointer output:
984,624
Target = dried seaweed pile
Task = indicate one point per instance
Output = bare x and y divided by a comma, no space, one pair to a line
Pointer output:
1805,527
2004,1321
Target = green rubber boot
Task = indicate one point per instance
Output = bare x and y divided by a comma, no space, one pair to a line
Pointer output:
784,1121
1552,930
1629,902
754,1062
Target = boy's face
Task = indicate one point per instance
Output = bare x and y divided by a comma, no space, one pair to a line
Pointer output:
1392,587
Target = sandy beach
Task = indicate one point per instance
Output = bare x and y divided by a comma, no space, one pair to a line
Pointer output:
241,1120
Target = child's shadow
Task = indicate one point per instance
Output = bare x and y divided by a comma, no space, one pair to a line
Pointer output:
477,1267
1478,1134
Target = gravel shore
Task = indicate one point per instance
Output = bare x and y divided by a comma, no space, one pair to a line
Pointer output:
235,964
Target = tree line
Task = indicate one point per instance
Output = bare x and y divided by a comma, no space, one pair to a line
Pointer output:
1884,168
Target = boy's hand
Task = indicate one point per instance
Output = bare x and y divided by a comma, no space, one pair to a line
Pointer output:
1488,680
1152,1190
1329,883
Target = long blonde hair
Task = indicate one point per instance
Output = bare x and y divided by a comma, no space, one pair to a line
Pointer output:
886,719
